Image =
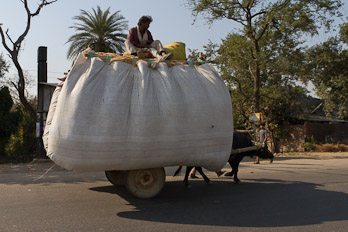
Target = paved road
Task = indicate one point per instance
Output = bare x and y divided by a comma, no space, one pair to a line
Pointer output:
292,194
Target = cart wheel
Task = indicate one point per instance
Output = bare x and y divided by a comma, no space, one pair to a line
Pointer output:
117,178
145,183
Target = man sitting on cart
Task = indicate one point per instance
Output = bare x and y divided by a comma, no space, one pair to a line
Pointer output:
139,38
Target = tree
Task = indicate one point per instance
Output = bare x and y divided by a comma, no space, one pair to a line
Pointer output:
288,18
15,51
327,68
99,28
278,92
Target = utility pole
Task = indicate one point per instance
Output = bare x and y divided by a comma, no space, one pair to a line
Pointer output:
42,81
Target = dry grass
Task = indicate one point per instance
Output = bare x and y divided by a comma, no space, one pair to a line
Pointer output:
331,148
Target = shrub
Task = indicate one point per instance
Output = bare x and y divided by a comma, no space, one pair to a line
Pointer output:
309,143
331,147
8,119
23,141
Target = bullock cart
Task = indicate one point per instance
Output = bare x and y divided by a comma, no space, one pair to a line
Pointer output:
130,119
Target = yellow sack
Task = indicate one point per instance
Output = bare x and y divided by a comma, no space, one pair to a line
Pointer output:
178,50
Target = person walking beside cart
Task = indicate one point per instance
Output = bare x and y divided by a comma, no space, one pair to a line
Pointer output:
140,38
263,140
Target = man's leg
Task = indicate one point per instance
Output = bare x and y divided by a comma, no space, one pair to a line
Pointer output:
257,161
157,50
266,147
193,173
130,48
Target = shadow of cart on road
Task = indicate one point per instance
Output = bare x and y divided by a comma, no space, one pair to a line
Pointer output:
255,203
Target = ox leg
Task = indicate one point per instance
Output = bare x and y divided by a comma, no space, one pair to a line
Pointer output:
231,172
206,179
235,164
235,178
231,161
186,183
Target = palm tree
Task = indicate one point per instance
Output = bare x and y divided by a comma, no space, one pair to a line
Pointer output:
101,29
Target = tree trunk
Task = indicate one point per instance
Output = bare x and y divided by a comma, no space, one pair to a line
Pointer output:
257,88
256,76
21,88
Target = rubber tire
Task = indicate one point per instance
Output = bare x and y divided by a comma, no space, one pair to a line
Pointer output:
117,178
145,183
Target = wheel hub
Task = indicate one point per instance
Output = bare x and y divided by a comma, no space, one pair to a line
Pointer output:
145,179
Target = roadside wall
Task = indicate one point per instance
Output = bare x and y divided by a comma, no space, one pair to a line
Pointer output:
328,133
294,141
322,133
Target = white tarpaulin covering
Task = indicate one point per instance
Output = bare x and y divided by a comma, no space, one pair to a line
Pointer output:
120,116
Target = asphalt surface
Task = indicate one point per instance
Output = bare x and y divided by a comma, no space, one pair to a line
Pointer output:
291,194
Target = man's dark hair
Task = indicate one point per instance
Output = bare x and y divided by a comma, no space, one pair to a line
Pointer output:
145,19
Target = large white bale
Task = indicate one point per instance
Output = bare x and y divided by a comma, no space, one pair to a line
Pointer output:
120,116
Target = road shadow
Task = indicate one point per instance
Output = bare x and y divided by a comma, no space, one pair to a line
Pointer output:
254,203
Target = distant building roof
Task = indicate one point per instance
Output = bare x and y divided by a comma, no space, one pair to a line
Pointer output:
312,110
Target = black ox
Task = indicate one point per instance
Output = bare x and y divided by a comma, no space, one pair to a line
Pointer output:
188,170
240,140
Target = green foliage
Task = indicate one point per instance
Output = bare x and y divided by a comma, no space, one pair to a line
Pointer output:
23,141
297,13
209,52
262,61
193,54
8,119
269,38
310,143
344,33
102,29
326,66
278,92
3,66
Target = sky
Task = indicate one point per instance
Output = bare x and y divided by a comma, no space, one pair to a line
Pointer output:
172,22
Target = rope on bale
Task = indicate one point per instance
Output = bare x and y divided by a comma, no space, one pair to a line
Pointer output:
130,59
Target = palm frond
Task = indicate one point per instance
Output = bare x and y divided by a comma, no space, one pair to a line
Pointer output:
102,28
